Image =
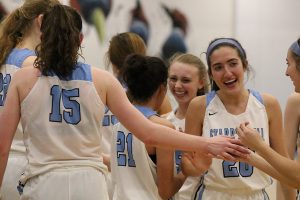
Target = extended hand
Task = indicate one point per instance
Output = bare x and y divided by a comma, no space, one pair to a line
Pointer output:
249,136
226,148
195,164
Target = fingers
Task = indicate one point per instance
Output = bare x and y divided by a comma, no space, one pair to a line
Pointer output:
227,156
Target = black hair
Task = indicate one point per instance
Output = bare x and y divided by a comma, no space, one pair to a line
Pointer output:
143,75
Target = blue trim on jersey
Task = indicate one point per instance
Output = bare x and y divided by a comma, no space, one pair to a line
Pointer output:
257,95
17,56
146,111
201,191
81,72
209,97
212,94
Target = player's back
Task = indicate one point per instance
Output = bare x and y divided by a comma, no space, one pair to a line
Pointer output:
61,125
133,171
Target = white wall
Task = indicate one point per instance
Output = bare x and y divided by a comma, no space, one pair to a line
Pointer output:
206,21
266,28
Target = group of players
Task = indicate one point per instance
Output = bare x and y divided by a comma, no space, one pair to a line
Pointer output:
69,131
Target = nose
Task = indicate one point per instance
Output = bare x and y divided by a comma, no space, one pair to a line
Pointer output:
227,71
177,84
287,71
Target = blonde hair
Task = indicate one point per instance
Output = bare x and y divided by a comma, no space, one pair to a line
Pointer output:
196,62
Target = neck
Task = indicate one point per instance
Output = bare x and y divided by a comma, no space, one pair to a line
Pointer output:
234,99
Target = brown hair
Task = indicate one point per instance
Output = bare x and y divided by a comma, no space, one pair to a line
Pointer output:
122,45
60,41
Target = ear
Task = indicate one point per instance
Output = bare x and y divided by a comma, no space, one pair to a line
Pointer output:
247,65
40,20
200,84
81,37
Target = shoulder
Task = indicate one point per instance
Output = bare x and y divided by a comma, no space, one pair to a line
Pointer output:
28,62
101,76
294,99
27,73
198,102
269,100
161,121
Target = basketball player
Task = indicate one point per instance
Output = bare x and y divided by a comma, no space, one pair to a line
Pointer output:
19,36
120,46
219,112
142,171
281,168
187,79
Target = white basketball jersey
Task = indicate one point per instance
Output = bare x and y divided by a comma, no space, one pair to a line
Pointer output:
191,184
60,119
13,62
109,120
133,171
234,177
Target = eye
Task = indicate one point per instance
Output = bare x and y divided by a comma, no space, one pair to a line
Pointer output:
217,67
172,79
233,63
186,80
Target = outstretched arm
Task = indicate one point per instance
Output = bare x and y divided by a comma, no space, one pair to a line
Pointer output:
9,118
259,162
286,167
112,94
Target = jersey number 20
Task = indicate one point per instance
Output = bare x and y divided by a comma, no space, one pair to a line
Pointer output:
71,112
230,170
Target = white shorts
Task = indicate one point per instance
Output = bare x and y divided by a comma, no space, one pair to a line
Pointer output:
16,165
110,185
73,183
209,194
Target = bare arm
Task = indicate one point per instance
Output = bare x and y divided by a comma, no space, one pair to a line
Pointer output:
257,161
168,184
291,126
286,167
9,119
276,138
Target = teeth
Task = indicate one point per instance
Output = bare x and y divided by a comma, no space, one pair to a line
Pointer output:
231,81
179,93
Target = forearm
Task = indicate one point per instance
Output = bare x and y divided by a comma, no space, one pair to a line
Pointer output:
179,180
285,166
174,186
262,164
285,192
3,163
